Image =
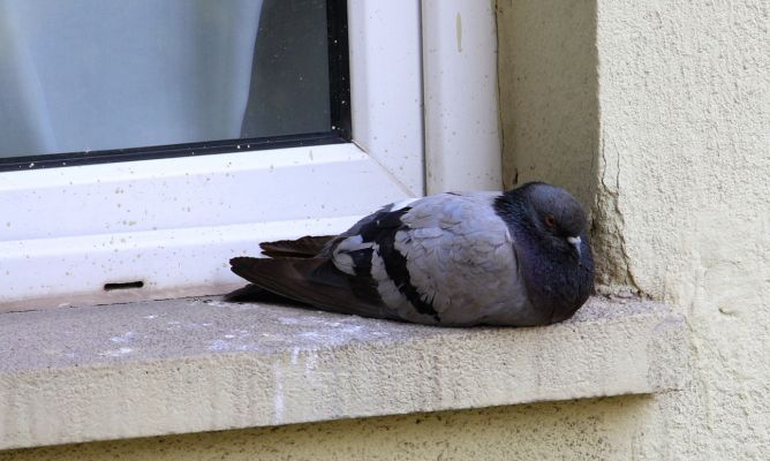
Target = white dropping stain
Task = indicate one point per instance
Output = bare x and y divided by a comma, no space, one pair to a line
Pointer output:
288,321
311,365
219,345
117,352
233,342
150,317
278,399
218,304
124,338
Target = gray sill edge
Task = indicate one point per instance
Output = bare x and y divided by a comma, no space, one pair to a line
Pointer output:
191,365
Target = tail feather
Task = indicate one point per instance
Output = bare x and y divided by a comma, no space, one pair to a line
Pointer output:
253,294
304,247
313,281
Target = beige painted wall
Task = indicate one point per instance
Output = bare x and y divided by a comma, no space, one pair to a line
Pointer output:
684,98
657,113
675,145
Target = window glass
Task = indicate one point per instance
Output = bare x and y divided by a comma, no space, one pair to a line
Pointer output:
82,76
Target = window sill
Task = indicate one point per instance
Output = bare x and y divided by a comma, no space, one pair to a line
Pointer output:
193,365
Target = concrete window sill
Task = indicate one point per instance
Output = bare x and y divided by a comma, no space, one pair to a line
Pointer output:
192,365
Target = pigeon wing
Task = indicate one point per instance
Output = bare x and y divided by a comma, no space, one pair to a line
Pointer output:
304,247
313,281
338,278
460,260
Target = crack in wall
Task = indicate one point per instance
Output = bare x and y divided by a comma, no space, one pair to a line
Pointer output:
614,272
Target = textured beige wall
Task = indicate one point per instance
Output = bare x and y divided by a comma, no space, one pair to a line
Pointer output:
679,141
548,84
670,143
684,98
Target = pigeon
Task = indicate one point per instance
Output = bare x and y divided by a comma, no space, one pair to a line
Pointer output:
515,258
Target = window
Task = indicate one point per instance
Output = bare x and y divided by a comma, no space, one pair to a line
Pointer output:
89,81
170,225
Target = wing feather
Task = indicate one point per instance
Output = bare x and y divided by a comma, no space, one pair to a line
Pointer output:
304,247
313,281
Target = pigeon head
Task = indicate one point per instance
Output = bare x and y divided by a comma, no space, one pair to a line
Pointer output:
555,215
549,229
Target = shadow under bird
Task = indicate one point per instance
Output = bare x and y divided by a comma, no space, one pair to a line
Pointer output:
517,258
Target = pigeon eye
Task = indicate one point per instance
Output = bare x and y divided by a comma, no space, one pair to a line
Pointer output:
550,221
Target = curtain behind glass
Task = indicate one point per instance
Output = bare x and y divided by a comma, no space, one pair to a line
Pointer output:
290,79
135,72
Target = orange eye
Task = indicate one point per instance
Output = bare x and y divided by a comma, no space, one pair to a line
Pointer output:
550,221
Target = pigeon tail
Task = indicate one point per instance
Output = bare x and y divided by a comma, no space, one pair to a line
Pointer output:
313,281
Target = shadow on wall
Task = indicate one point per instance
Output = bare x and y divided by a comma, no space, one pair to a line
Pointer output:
576,429
548,92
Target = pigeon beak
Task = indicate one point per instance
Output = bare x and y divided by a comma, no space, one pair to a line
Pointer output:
575,241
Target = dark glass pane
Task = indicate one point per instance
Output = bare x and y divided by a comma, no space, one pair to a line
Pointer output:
290,79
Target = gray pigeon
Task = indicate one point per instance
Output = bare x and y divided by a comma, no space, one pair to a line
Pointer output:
516,258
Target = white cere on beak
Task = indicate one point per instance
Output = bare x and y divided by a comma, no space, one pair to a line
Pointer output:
575,241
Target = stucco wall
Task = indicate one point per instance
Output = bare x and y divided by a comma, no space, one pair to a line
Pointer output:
681,168
684,98
548,84
658,115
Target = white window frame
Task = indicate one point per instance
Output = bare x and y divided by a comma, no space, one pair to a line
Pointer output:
423,92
